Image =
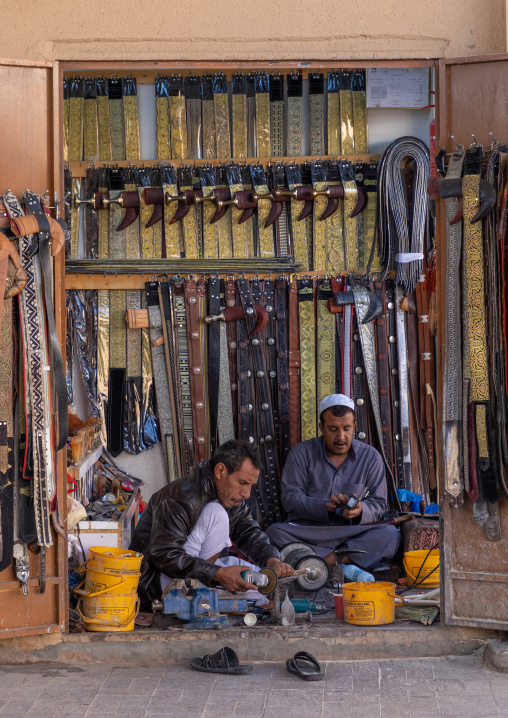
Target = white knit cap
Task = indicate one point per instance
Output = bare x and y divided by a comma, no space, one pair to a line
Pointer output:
336,400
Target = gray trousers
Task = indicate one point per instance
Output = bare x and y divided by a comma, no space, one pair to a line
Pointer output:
381,542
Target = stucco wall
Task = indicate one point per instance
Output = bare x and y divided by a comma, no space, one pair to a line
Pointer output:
227,29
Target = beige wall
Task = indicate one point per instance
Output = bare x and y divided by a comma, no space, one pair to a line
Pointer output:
243,29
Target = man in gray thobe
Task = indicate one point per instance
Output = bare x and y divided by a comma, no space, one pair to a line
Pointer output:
318,479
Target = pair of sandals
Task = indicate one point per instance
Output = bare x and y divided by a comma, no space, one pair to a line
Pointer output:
302,664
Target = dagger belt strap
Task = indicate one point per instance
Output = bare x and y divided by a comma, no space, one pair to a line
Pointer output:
103,120
317,114
383,374
76,110
222,130
361,143
298,232
294,366
162,124
131,118
394,382
7,366
294,126
282,349
196,370
168,335
347,351
91,129
173,235
239,116
264,404
214,308
337,284
347,140
308,357
359,393
269,337
160,371
402,373
74,229
231,301
416,372
182,354
37,373
427,382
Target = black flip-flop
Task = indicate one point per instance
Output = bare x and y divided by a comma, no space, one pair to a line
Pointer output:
299,665
224,661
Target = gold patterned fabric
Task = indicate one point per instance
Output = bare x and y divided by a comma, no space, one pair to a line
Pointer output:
266,246
335,240
210,235
350,227
91,126
476,327
162,125
173,235
333,124
178,121
133,296
224,233
66,114
75,192
76,119
317,113
319,237
481,431
222,131
117,298
298,229
116,120
262,116
192,240
369,230
148,234
103,120
239,103
208,114
347,138
361,139
294,107
307,358
131,119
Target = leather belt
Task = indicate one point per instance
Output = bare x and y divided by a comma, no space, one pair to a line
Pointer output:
242,234
394,380
173,234
161,371
162,126
301,250
317,113
334,226
347,175
276,115
383,373
239,113
116,118
265,417
131,118
221,108
251,116
103,317
184,370
319,184
74,228
196,371
427,384
262,94
91,226
231,301
7,359
359,179
372,257
193,104
308,357
91,130
403,389
191,235
294,122
283,378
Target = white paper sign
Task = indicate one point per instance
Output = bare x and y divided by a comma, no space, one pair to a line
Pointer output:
398,87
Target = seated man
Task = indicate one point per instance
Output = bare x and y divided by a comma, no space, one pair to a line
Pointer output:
319,477
185,525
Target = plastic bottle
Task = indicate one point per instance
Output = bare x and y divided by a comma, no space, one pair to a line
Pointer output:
355,575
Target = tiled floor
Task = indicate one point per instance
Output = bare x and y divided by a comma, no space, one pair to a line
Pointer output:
420,688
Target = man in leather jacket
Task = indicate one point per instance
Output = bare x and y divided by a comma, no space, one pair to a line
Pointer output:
166,534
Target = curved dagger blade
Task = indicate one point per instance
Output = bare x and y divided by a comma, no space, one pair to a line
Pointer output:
234,314
446,188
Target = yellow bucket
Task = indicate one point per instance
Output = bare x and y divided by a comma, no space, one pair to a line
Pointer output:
369,603
109,613
109,598
417,571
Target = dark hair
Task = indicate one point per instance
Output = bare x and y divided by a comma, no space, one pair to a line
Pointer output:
337,410
233,453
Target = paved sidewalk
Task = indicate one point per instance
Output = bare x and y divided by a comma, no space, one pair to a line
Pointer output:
420,688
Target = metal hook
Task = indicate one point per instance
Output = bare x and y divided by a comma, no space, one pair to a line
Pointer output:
494,141
459,147
437,144
476,144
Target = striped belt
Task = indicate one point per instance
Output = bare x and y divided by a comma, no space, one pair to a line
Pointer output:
262,95
239,114
294,114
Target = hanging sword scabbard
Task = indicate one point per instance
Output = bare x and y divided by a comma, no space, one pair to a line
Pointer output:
362,295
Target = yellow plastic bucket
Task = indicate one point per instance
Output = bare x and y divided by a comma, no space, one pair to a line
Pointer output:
417,570
369,603
108,613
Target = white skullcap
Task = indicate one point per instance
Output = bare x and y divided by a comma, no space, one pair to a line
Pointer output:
336,400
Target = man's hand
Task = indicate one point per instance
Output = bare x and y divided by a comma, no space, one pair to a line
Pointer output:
230,578
336,501
283,570
353,513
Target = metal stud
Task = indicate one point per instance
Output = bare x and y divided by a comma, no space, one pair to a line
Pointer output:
269,308
359,402
249,310
260,374
255,342
231,302
265,406
234,387
192,300
362,435
394,372
271,341
273,374
396,403
397,437
197,370
356,337
268,439
195,335
261,441
232,345
390,305
199,404
201,439
358,370
391,339
249,373
251,439
249,407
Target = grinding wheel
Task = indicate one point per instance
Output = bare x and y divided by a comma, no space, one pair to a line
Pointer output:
272,581
318,576
291,547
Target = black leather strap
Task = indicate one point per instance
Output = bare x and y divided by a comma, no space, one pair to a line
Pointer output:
213,353
392,363
282,380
